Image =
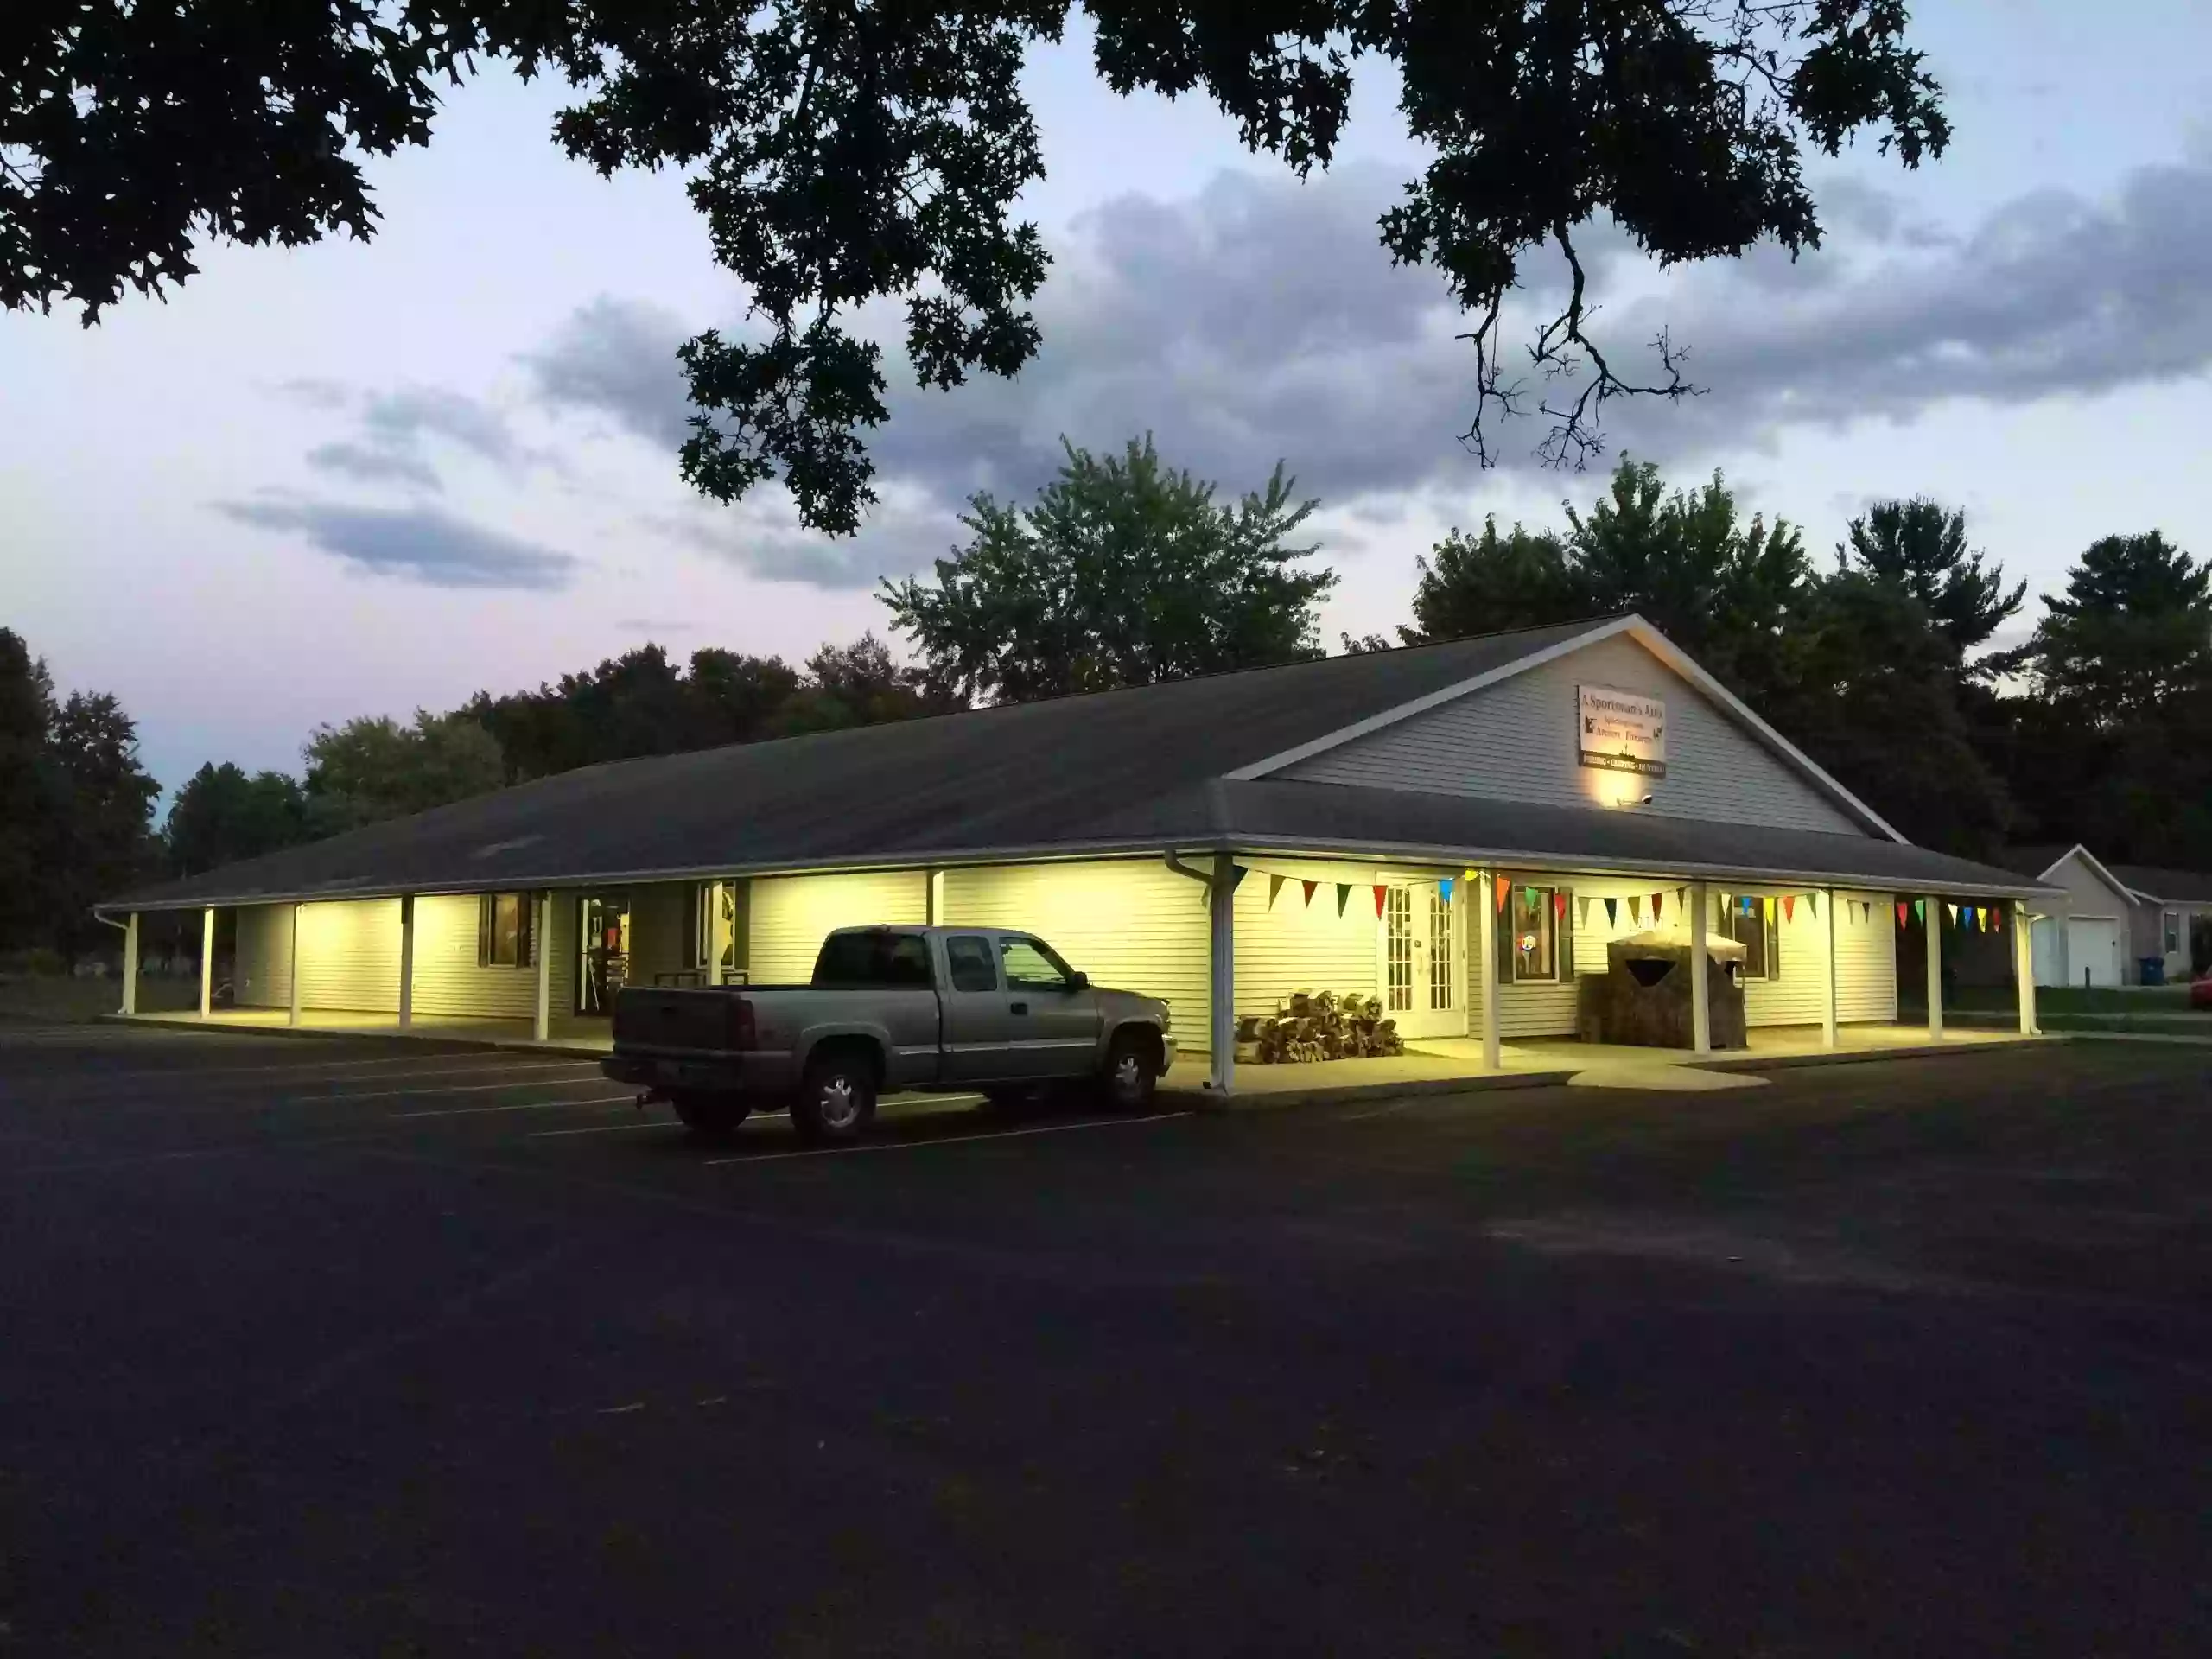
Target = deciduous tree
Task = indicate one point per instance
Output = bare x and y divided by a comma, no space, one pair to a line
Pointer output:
221,815
847,154
1123,572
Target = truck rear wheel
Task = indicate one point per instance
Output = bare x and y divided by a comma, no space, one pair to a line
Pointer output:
711,1118
836,1097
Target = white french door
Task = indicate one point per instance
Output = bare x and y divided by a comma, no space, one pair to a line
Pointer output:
1422,972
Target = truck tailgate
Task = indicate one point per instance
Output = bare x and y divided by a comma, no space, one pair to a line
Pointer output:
649,1018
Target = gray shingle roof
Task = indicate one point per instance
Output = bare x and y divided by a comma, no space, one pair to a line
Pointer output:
1135,769
2173,887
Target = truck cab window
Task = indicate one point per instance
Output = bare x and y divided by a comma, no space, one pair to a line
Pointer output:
1029,966
969,957
872,959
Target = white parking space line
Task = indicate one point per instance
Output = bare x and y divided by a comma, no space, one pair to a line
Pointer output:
303,1069
442,1089
603,1128
947,1139
526,1106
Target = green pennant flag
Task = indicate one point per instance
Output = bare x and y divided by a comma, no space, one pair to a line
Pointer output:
1920,910
1812,903
1613,912
1274,887
1344,896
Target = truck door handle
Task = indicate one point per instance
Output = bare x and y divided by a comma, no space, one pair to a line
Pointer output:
1017,1007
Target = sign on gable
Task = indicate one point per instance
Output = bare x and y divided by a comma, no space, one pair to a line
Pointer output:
1621,731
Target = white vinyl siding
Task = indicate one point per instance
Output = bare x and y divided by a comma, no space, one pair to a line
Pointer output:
1866,962
1865,957
561,968
1515,741
349,956
1539,1007
791,914
261,970
448,980
1131,926
660,931
1292,945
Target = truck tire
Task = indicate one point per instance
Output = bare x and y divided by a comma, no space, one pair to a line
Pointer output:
710,1117
1132,1070
836,1097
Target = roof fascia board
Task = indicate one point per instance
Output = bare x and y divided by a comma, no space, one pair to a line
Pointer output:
1676,658
2128,894
1645,635
1521,858
1421,705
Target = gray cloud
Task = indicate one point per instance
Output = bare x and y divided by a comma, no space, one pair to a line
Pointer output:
1261,320
374,465
399,421
420,544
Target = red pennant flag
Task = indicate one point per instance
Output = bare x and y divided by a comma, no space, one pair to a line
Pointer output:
1559,908
1656,899
1379,891
1997,921
1309,887
1788,907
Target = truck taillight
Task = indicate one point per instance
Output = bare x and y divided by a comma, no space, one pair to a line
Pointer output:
739,1031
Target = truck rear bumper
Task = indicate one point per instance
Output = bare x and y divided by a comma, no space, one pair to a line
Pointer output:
670,1074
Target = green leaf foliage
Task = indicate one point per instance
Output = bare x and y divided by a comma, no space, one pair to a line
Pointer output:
848,153
1123,572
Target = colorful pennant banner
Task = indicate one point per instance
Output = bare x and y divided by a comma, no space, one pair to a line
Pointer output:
1274,887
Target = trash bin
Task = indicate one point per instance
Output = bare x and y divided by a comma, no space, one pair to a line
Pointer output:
2154,970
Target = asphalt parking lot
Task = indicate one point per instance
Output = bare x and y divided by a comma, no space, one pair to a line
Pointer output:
353,1347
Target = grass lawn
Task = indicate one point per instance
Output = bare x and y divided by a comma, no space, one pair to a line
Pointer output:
2056,999
61,999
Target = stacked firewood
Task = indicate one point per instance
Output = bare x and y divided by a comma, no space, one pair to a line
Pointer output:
1318,1026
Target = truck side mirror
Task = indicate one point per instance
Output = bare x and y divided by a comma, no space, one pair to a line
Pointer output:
1078,981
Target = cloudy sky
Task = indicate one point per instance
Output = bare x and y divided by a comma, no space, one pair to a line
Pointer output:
366,478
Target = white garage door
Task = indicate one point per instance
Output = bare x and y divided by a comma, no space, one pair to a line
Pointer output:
2093,949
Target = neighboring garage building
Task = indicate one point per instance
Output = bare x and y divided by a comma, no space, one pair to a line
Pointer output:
1458,830
2114,918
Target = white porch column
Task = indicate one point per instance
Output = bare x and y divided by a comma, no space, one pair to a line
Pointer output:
292,1013
1221,908
541,939
933,900
1934,931
2023,966
406,960
130,964
1700,970
1828,977
1492,1059
206,962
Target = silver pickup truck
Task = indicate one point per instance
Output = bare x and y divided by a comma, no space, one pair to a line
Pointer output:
941,1008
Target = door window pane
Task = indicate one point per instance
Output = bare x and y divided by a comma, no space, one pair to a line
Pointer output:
1029,966
969,958
1440,998
1398,948
1536,950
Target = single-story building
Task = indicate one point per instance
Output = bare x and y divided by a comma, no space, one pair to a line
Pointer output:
2114,918
1457,831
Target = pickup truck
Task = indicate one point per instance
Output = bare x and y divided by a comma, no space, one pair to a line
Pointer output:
932,1008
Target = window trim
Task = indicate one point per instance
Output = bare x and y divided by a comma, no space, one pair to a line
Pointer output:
1508,945
1769,942
487,932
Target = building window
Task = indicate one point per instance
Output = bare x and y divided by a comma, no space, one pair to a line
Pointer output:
2173,931
1761,939
503,931
1533,945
